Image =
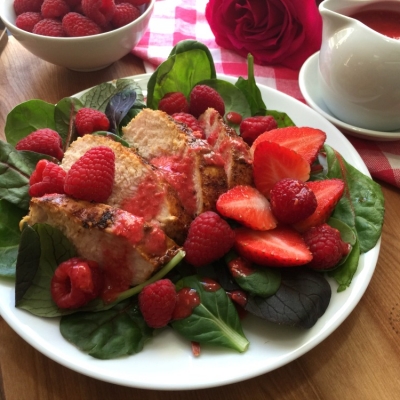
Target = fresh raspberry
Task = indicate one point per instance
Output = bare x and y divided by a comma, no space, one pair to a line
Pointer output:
157,302
99,11
22,6
252,127
209,238
49,27
44,141
124,14
28,20
54,8
73,3
203,97
91,177
292,201
76,282
75,25
89,120
47,178
326,246
133,2
174,102
190,121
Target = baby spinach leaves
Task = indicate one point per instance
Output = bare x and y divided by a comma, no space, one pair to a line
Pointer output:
15,170
42,249
9,237
118,332
214,321
302,298
188,63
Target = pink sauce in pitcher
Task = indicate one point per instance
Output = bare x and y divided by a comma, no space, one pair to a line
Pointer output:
386,22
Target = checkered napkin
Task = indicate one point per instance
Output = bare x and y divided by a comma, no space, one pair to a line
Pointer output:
176,20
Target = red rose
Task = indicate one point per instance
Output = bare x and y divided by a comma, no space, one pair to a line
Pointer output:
282,32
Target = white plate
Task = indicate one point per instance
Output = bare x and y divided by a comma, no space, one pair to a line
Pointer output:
166,363
308,81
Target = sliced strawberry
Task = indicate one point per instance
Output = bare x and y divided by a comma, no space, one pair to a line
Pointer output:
328,193
303,140
248,206
273,162
279,247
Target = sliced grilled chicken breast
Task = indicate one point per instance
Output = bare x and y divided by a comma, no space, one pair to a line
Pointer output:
139,188
191,166
128,248
233,150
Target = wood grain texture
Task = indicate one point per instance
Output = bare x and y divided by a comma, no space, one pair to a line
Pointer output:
360,360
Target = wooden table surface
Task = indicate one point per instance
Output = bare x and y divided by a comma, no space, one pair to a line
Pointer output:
360,360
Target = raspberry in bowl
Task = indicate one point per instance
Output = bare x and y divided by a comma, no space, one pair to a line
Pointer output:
88,40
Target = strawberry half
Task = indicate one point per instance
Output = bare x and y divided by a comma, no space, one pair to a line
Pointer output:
303,140
248,206
279,247
273,162
328,193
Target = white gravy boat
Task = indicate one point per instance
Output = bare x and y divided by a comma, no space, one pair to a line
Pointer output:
359,68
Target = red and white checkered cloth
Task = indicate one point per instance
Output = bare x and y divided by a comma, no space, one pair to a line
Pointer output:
176,20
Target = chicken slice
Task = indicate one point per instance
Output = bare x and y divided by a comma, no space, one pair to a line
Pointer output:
138,187
128,248
190,164
233,150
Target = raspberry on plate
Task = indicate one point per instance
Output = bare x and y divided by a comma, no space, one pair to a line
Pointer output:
292,201
326,246
89,120
203,97
190,121
124,14
174,102
252,127
54,8
99,11
47,178
44,141
49,27
157,303
76,25
28,20
76,282
209,238
91,177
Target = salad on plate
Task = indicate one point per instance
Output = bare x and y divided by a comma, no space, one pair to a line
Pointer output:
186,207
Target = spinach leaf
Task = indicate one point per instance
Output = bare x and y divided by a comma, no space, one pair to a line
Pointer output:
344,273
109,334
362,205
118,108
214,320
42,249
28,117
262,282
250,89
16,168
302,298
254,98
112,136
98,96
233,97
10,235
188,63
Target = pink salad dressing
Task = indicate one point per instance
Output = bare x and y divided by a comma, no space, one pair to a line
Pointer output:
187,300
386,22
179,174
147,200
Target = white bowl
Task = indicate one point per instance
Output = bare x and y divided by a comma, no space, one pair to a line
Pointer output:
87,53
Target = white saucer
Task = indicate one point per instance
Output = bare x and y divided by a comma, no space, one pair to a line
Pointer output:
309,88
